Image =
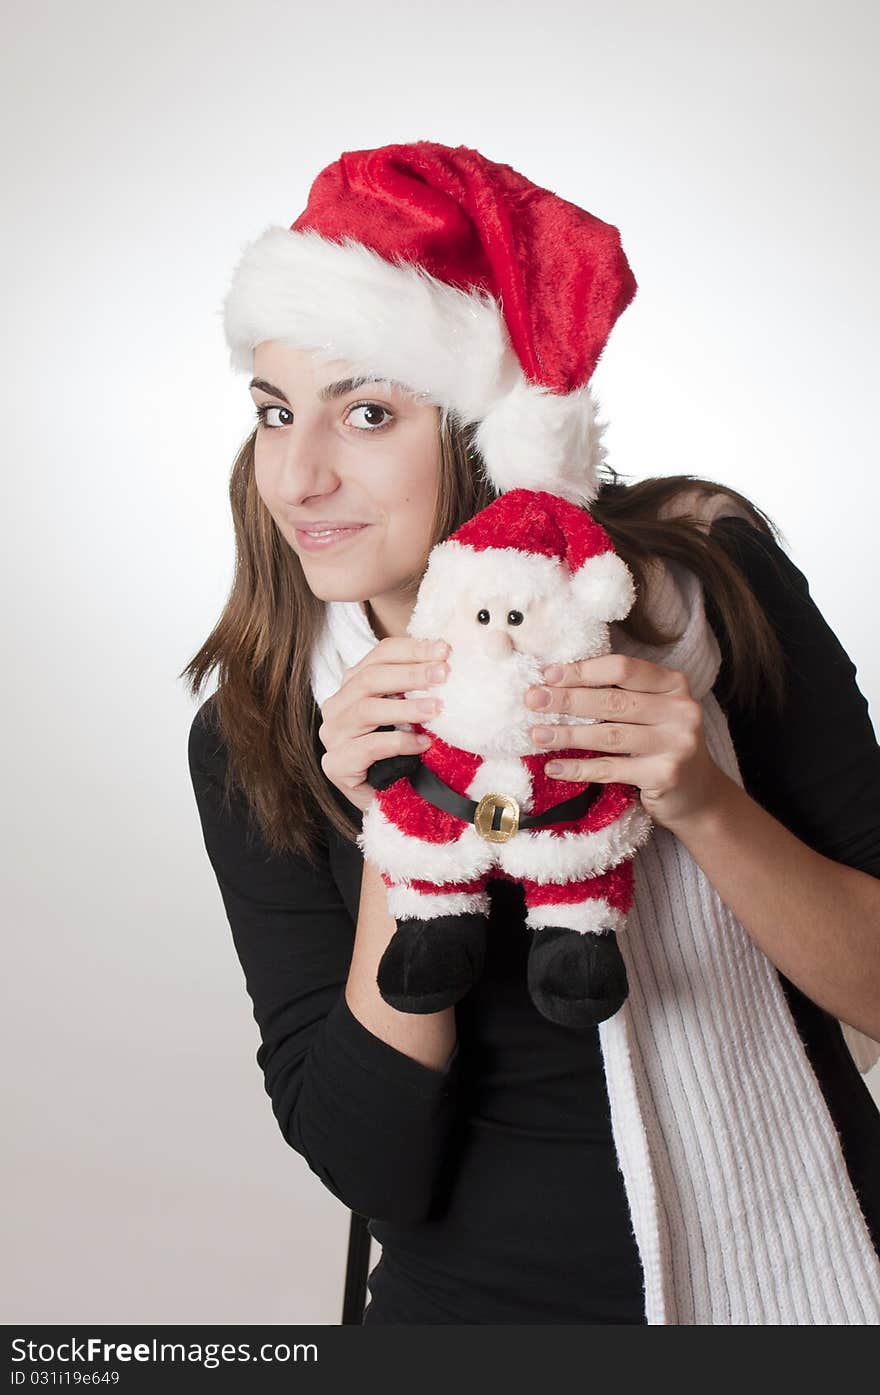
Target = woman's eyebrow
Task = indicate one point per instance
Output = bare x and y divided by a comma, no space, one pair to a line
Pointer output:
331,390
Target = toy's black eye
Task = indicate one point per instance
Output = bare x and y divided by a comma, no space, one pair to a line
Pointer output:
515,617
483,617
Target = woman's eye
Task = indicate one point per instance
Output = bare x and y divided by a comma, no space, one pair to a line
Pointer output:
263,416
371,410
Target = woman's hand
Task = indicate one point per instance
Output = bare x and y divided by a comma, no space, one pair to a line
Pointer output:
371,697
649,723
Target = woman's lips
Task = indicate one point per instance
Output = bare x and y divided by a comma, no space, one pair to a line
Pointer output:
320,539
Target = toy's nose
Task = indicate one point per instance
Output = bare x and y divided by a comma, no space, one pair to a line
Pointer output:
498,644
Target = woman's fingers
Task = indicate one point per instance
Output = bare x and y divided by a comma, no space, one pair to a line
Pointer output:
371,694
367,708
618,670
370,697
347,765
400,649
618,738
644,692
381,678
376,676
602,704
384,711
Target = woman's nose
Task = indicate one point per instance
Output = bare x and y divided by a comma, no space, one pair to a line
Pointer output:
498,644
307,467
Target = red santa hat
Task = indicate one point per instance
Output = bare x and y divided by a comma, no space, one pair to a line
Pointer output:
526,546
455,275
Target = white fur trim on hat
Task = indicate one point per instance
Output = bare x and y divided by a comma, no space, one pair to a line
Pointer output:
602,589
343,300
455,570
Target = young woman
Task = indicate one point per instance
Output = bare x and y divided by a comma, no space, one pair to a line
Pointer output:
711,1153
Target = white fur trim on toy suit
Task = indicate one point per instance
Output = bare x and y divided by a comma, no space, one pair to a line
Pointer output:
404,857
535,854
406,903
343,300
592,915
506,774
543,856
589,917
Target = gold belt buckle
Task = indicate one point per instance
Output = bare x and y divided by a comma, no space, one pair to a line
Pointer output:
497,809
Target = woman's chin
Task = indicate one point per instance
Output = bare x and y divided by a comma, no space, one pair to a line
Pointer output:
341,587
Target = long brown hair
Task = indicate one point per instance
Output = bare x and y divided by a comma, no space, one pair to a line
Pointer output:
263,710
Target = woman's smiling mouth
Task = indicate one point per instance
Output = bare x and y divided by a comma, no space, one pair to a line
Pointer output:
318,537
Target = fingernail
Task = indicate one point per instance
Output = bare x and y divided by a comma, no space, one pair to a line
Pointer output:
436,673
423,741
543,735
552,673
541,697
552,768
440,649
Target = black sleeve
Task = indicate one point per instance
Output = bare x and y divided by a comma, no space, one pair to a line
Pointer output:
370,1121
816,767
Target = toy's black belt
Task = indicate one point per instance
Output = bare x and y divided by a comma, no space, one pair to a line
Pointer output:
497,817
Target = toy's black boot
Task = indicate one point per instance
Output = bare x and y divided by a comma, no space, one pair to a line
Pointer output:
430,964
576,979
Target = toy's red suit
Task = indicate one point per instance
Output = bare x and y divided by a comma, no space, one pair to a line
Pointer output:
577,873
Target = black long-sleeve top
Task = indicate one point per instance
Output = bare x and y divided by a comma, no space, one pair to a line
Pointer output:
493,1185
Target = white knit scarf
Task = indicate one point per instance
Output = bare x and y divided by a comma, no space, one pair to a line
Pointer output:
741,1203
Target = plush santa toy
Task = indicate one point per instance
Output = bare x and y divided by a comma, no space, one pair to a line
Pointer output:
530,580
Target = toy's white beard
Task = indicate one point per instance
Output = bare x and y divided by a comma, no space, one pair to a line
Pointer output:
484,707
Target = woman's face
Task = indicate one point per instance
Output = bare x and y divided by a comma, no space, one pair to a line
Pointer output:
348,474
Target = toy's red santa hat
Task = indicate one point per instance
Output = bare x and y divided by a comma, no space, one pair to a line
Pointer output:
525,546
457,276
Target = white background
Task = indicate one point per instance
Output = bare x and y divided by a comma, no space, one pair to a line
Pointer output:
734,146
